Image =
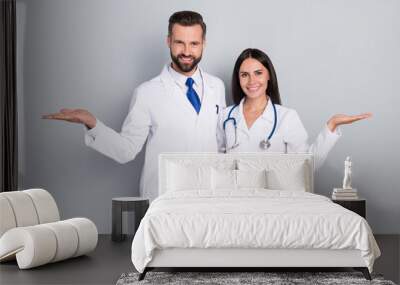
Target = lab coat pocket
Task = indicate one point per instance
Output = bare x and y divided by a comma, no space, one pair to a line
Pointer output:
278,143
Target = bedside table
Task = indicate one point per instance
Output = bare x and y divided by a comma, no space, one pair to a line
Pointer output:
358,206
137,205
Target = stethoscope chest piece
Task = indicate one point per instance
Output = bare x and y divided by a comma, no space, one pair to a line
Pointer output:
265,144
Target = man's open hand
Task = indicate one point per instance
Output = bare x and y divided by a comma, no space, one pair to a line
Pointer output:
79,116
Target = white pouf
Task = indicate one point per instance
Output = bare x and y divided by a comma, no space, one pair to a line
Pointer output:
31,232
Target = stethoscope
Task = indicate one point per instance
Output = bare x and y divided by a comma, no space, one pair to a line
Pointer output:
264,144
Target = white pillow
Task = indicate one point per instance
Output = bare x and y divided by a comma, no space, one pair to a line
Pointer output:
251,178
187,177
293,178
281,174
223,179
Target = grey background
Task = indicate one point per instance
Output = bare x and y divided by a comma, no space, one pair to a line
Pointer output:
330,56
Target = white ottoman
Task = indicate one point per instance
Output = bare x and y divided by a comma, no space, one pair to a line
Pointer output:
31,232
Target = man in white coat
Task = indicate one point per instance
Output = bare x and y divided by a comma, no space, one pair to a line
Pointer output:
176,111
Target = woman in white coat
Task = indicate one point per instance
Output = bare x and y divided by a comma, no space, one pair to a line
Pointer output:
258,122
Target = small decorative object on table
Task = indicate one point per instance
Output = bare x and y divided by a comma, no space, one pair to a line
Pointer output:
347,196
347,192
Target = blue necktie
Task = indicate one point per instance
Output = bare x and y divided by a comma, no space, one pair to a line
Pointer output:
192,95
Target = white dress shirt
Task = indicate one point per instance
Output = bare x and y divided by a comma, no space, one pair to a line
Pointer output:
180,80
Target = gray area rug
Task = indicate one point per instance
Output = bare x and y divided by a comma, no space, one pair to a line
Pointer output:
273,278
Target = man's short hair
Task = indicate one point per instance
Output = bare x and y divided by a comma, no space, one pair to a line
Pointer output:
186,18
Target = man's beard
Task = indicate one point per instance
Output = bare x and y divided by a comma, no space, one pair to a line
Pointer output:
185,67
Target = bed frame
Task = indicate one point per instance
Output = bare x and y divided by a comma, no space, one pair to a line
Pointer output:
248,259
261,259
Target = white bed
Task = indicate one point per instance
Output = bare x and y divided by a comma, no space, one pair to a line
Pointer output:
247,210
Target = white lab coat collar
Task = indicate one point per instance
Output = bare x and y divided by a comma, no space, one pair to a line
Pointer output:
268,113
208,88
167,78
180,79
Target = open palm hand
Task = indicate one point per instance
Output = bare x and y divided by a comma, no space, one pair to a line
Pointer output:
80,116
342,119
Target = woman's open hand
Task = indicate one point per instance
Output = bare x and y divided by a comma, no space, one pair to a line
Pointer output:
341,119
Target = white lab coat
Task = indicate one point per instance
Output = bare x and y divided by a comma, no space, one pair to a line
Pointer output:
162,114
289,136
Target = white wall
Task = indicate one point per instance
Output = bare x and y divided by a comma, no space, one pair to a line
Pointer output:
330,56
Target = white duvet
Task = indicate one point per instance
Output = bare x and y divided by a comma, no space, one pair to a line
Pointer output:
250,219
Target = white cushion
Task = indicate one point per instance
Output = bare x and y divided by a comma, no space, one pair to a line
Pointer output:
188,177
223,179
291,178
23,208
281,174
26,208
46,207
40,244
87,233
7,218
230,180
251,178
67,239
33,245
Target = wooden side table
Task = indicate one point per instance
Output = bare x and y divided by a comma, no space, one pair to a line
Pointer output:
358,206
137,205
